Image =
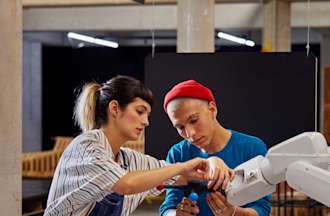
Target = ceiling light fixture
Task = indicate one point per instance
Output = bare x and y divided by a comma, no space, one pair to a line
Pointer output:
93,40
236,39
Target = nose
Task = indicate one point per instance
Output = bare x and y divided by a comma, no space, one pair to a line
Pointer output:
190,132
145,120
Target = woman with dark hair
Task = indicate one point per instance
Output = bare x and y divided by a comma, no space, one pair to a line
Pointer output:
95,175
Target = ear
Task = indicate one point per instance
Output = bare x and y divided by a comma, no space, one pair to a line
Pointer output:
113,108
213,109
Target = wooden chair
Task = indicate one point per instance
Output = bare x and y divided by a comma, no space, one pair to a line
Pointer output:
137,145
42,165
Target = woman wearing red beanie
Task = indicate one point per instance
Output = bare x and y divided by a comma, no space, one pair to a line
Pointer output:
192,109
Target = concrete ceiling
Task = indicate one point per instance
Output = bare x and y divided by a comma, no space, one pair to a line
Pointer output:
130,22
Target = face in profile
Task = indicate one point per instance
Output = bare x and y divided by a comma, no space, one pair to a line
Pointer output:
133,119
194,120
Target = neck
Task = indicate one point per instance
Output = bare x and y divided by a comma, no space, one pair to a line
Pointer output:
115,138
220,139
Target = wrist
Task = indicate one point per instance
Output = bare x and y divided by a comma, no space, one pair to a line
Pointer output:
242,211
215,161
182,180
181,167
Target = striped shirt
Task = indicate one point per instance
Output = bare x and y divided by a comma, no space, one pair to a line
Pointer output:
87,172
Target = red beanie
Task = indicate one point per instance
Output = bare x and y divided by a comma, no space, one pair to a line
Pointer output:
189,88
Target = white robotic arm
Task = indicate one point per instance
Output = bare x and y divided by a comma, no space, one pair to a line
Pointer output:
303,161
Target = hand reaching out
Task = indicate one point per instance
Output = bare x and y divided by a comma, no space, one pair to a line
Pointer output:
197,168
219,173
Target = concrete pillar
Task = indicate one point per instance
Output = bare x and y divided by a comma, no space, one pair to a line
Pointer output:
32,81
10,107
195,29
277,26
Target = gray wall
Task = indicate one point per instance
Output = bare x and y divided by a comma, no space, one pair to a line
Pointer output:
32,95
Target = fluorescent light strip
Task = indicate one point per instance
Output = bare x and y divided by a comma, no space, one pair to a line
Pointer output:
93,40
236,39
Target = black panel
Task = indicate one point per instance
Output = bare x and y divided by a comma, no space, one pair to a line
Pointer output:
66,69
270,95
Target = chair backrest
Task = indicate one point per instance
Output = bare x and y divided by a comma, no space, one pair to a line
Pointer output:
137,145
61,142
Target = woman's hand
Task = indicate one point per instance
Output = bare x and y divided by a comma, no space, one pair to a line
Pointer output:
219,173
197,168
187,207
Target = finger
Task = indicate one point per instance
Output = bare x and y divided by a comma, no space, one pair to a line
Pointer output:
232,174
206,166
205,174
219,181
225,181
187,201
217,199
223,199
212,204
203,166
211,173
187,206
196,175
210,184
182,213
213,177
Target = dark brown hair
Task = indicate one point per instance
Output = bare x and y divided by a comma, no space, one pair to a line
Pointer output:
91,109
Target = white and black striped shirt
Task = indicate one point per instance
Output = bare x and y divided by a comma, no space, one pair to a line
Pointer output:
87,171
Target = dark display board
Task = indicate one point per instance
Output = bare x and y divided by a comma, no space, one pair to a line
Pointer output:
66,70
269,95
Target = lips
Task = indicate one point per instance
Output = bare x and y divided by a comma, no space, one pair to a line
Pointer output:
139,129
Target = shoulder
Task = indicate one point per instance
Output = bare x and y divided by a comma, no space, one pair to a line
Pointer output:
131,153
91,136
249,143
180,151
247,139
138,156
182,146
90,143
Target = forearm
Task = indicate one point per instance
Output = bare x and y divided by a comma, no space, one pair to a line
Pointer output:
139,181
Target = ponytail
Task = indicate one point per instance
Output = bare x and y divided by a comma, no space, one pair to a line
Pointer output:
85,107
